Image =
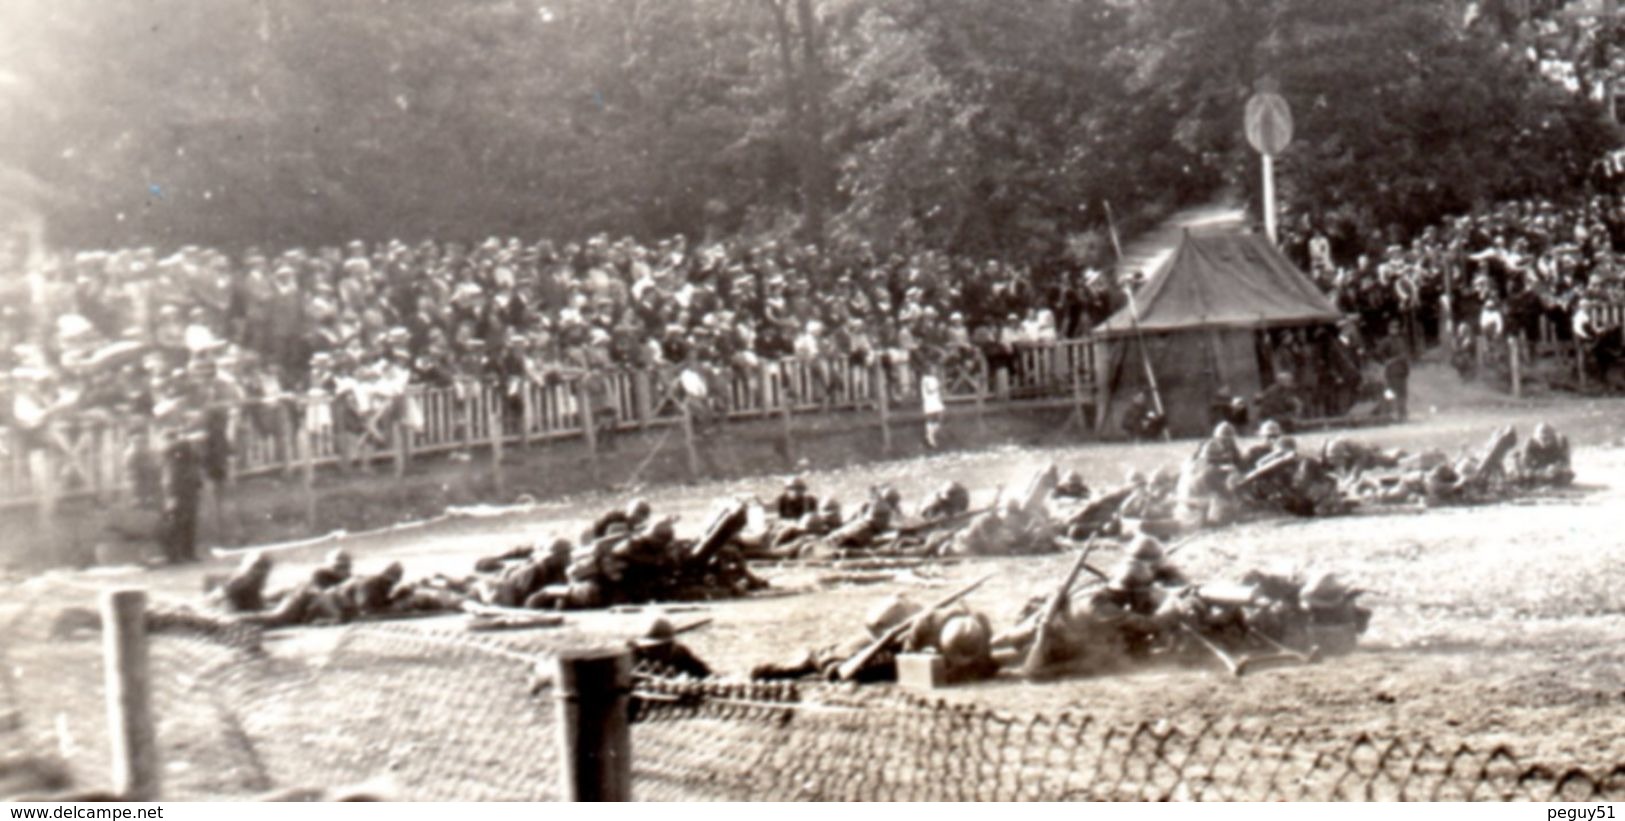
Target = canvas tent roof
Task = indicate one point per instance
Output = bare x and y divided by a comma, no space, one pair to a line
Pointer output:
1230,279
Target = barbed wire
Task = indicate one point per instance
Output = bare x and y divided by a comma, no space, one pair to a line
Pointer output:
433,714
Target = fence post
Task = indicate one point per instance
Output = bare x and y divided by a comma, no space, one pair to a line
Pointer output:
308,441
883,400
783,411
527,414
589,424
286,441
643,385
592,692
1580,363
981,393
1074,360
688,440
42,475
465,409
766,370
1514,361
493,417
397,432
129,695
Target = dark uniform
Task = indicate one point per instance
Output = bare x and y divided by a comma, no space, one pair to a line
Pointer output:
795,502
182,492
1396,373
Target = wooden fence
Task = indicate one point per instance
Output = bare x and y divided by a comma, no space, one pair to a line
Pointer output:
85,456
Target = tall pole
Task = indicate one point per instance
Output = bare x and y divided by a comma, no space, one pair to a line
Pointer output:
1269,198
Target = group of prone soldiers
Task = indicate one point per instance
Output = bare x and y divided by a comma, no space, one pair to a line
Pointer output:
627,556
331,594
1146,608
1143,609
1223,481
797,526
1501,468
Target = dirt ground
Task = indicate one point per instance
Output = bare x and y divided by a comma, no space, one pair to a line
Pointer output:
1492,624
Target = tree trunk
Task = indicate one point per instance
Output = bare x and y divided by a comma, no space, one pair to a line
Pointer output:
814,168
804,109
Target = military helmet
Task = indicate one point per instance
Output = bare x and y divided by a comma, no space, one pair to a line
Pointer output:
637,510
1324,590
560,547
1135,477
1270,428
1339,449
1145,548
664,528
892,497
394,571
256,561
795,483
658,631
1544,432
888,613
1225,431
338,559
832,507
1287,443
965,638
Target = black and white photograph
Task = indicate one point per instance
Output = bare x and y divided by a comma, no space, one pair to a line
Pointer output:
811,401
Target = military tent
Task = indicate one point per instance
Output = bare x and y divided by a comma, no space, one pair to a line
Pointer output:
1203,320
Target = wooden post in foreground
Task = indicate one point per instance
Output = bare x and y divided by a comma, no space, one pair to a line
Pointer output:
129,695
593,693
1514,357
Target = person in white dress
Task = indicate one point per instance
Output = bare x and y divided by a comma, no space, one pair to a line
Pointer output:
931,403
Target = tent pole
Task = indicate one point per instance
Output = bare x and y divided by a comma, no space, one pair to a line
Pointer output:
1145,359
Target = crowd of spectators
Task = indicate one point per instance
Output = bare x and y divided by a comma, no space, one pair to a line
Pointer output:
1475,279
134,332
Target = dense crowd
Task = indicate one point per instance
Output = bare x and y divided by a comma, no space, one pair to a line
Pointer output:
205,344
1478,278
118,330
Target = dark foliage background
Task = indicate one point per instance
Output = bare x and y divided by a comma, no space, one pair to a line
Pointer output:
996,128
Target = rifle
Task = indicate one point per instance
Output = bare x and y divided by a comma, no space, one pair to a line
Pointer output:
691,626
921,527
850,668
1269,464
1046,614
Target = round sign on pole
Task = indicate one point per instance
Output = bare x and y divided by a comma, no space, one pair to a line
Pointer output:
1268,123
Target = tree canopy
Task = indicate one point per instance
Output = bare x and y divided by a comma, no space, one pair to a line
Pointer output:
990,128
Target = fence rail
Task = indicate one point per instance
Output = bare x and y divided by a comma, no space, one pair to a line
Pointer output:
84,457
